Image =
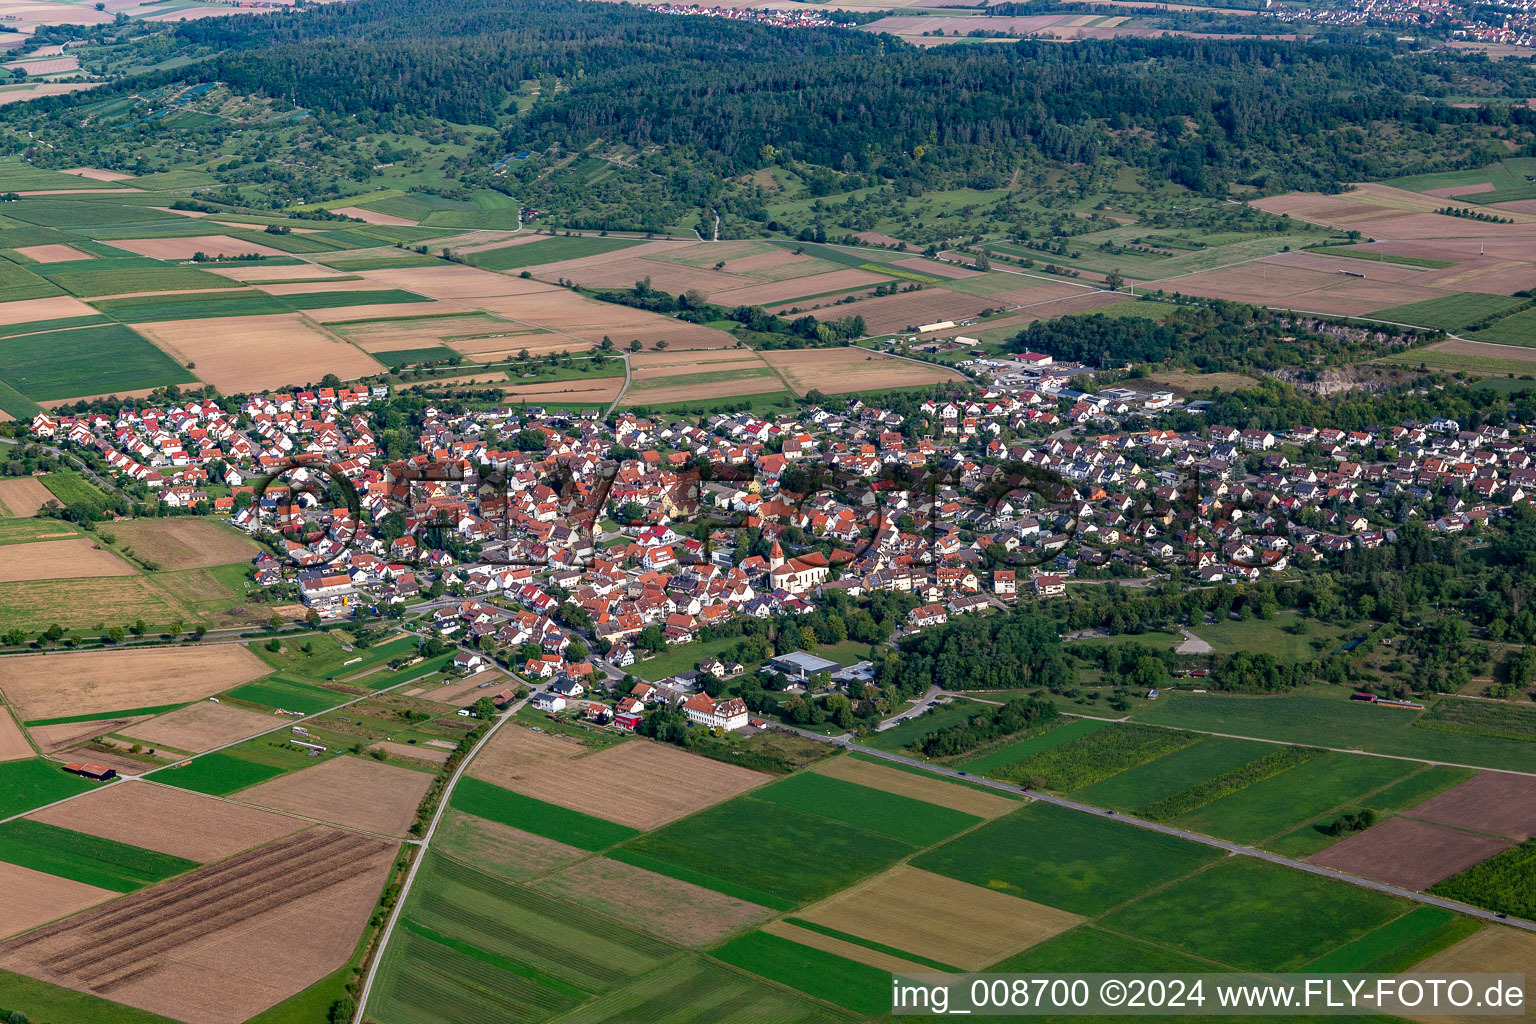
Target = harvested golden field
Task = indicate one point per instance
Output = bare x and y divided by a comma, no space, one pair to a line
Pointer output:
500,849
504,345
373,311
85,603
187,247
1486,350
680,911
646,366
170,820
392,335
254,353
1497,950
1268,283
220,944
912,309
940,918
361,794
256,272
199,727
618,783
848,950
927,789
55,253
75,558
50,738
778,292
840,370
936,268
597,390
13,742
85,682
33,898
185,543
22,496
419,752
97,174
27,311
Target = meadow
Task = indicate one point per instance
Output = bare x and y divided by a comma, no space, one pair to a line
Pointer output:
695,989
1398,944
217,774
1172,774
548,250
827,976
1451,313
1064,858
1095,756
1251,915
1516,329
791,856
85,361
84,858
482,799
1063,731
287,695
887,814
28,784
1326,717
1277,804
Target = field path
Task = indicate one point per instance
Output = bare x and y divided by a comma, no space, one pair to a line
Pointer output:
622,391
421,853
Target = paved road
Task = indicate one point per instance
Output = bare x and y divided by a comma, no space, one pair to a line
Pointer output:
421,855
1232,849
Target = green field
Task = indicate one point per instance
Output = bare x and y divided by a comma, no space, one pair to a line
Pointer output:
30,783
148,308
1482,718
1505,882
1063,731
914,729
790,855
1326,717
557,945
20,283
697,990
85,361
1095,756
827,976
1251,915
277,692
1377,256
472,796
548,250
116,276
1505,174
85,858
1281,802
217,774
1087,948
74,490
1451,313
1064,858
1398,945
1516,329
887,814
1416,788
1268,636
1157,780
332,300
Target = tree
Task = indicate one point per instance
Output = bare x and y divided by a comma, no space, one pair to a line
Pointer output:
275,622
485,709
115,635
635,345
341,1011
1114,280
651,638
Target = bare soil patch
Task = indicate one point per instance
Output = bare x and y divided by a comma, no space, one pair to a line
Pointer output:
22,496
56,737
199,727
259,272
1412,854
170,820
28,310
223,943
55,253
603,390
97,174
76,558
649,366
187,247
675,910
84,682
1495,949
1268,283
467,690
702,390
1459,190
623,783
1498,803
366,311
13,742
253,353
840,370
34,897
367,795
928,790
911,309
1515,353
935,268
940,918
374,217
185,543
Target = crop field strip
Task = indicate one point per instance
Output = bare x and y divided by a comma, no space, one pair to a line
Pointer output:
84,858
